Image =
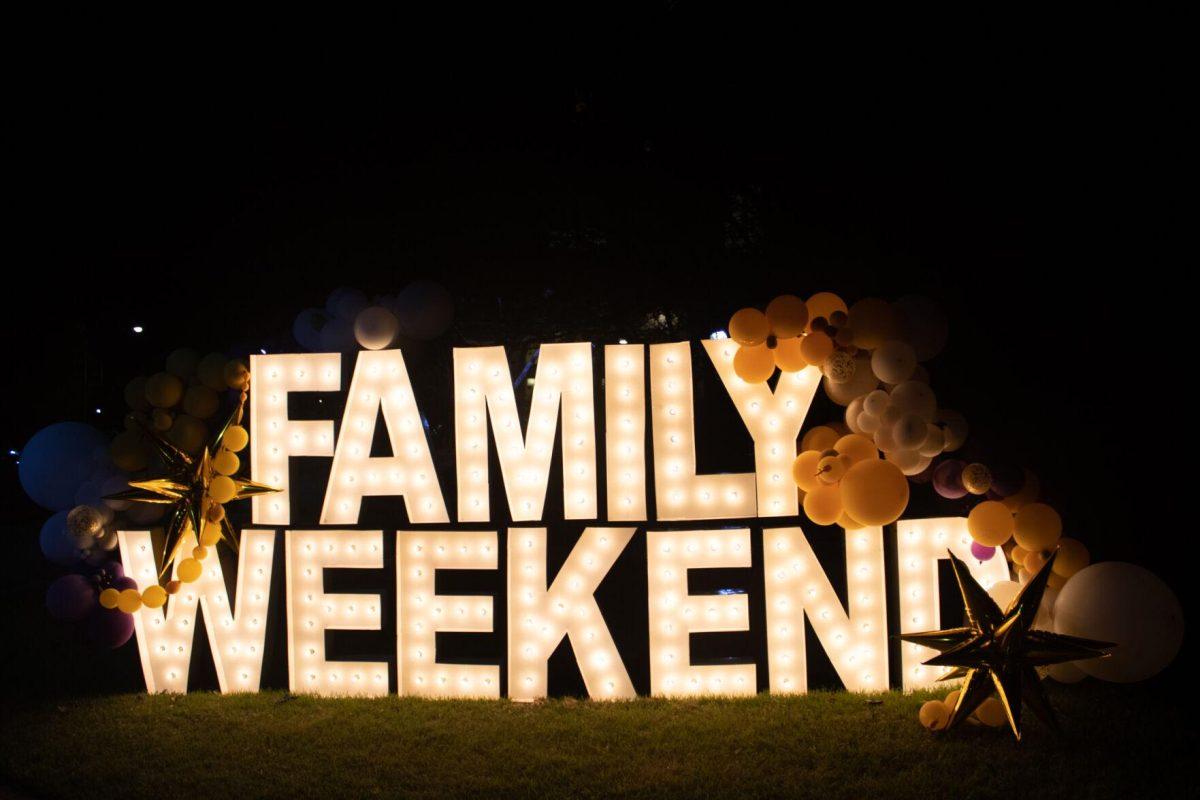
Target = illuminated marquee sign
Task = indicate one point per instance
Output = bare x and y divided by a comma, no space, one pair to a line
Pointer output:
679,513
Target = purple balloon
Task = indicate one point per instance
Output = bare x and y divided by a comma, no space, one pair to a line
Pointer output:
114,568
947,479
124,582
109,627
982,551
70,598
57,544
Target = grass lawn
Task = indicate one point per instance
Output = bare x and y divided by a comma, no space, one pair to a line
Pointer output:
1119,741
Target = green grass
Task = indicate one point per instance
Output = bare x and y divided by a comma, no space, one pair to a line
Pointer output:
1119,741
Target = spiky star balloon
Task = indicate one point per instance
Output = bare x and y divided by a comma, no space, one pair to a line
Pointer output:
999,651
185,485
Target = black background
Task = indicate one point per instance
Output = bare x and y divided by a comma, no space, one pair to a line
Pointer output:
1032,183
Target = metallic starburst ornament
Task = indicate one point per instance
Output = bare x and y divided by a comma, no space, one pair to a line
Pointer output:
999,651
185,485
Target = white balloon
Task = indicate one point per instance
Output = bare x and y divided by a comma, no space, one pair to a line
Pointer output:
910,462
954,426
917,398
375,328
893,362
876,402
935,441
884,440
1125,604
852,412
1003,592
910,432
307,328
868,423
860,384
1067,672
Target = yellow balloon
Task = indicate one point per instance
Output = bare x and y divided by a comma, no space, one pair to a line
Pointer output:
823,505
109,597
823,304
222,489
857,447
951,700
789,354
830,469
1072,557
934,715
173,587
875,492
164,390
846,522
226,463
211,371
991,713
804,470
754,363
787,315
154,596
976,478
135,394
1056,581
815,348
200,401
990,523
873,322
189,570
200,552
1038,527
236,438
161,419
129,600
1035,560
1017,555
211,534
237,375
749,326
821,437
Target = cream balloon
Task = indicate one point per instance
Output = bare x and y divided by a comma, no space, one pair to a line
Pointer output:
954,426
876,402
914,397
1129,606
376,327
863,382
893,362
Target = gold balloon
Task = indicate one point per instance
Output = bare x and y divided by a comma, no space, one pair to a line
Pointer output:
873,322
154,596
830,469
823,304
211,371
173,587
1038,527
789,354
1017,555
1072,557
222,488
189,570
754,363
934,715
135,394
821,437
188,433
161,419
200,552
183,362
129,451
236,438
109,598
990,523
164,390
1035,560
200,401
749,326
211,534
129,600
237,375
991,713
823,505
856,447
787,315
846,522
875,492
804,470
816,348
226,463
976,478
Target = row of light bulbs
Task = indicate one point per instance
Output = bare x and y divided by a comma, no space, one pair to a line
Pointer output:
541,614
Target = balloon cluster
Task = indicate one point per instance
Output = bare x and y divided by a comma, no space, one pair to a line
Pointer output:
423,311
855,473
73,470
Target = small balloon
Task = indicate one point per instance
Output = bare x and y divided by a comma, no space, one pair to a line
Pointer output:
982,552
947,479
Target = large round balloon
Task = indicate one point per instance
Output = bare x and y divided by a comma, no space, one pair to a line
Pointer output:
1128,606
874,492
70,598
376,327
57,460
425,310
110,627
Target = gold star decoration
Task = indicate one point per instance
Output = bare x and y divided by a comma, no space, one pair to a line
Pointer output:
999,650
185,485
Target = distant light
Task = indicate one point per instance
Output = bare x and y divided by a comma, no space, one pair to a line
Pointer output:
262,350
138,328
13,453
622,341
97,411
718,335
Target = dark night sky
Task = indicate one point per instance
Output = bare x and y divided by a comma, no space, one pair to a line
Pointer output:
1031,187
